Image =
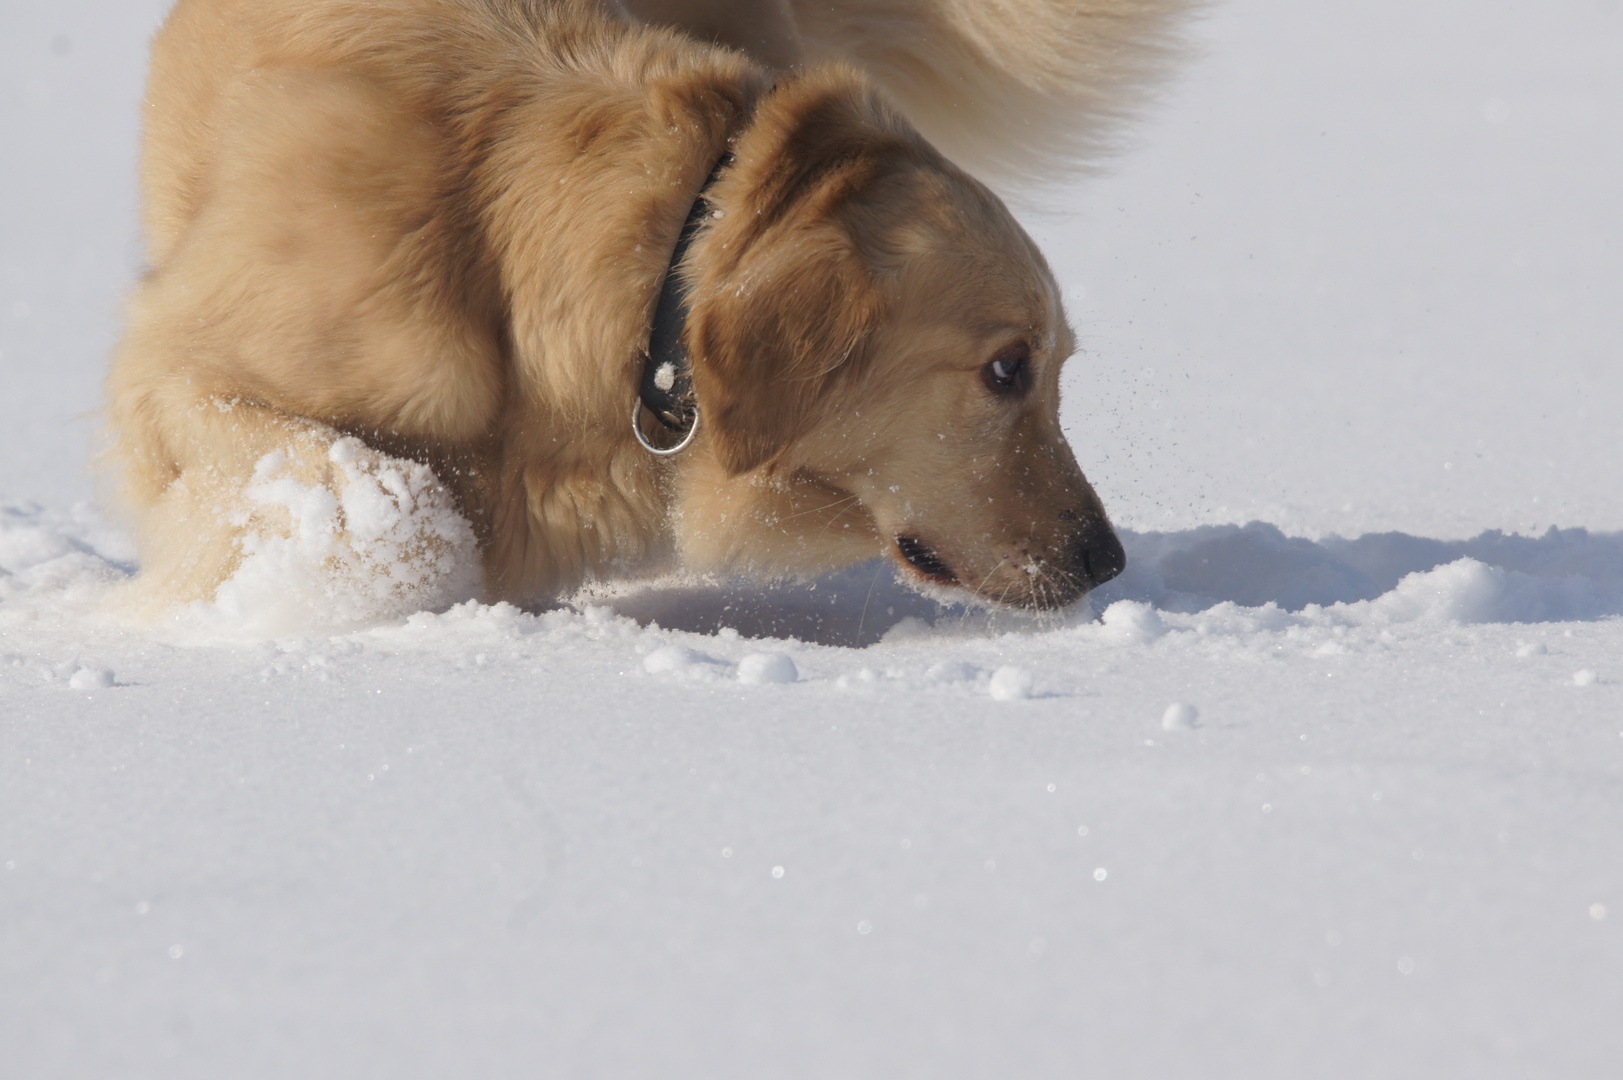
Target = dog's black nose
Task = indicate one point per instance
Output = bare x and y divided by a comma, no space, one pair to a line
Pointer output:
1097,557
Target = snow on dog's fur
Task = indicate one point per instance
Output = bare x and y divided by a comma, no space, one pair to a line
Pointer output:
429,234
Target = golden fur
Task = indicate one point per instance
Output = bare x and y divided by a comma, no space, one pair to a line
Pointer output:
440,226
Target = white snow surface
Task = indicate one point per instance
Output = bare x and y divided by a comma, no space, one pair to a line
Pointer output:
1329,783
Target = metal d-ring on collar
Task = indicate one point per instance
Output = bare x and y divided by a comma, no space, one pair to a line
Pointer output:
667,373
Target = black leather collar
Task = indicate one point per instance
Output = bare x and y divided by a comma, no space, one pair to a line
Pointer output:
667,372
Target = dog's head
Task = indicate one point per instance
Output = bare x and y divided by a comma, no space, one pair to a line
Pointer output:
877,348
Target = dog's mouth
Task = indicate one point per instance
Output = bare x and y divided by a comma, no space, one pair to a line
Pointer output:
921,557
1090,561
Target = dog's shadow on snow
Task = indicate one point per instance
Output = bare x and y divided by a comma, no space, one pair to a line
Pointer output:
1565,574
853,608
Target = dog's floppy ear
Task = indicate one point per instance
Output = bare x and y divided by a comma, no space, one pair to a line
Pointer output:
767,355
784,302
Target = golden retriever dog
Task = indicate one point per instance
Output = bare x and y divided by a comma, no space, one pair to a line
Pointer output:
497,259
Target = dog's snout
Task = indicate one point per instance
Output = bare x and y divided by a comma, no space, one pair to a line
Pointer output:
1097,556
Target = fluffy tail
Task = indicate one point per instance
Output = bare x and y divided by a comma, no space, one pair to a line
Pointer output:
1010,89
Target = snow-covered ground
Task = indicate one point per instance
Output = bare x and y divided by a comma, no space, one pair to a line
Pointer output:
1329,784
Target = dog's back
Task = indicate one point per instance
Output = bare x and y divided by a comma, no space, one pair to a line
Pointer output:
1006,88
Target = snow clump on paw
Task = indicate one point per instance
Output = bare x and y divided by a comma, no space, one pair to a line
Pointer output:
761,668
382,538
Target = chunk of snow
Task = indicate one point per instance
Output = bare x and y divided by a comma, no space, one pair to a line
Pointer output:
1010,684
670,659
1180,717
908,628
760,668
1131,622
91,679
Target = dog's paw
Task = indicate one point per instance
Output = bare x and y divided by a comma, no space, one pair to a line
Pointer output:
344,539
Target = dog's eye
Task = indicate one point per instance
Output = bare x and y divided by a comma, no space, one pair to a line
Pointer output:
1006,374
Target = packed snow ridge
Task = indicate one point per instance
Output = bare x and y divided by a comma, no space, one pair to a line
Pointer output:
384,551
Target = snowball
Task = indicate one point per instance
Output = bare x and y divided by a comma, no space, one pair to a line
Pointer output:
759,668
1132,623
1585,677
1180,717
1010,684
670,658
91,679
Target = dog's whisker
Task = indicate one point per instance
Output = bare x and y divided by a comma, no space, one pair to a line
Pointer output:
820,509
830,522
976,594
977,590
863,618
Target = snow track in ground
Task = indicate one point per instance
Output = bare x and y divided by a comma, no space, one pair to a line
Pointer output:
1232,581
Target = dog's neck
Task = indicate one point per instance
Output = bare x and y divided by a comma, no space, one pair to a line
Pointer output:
667,371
